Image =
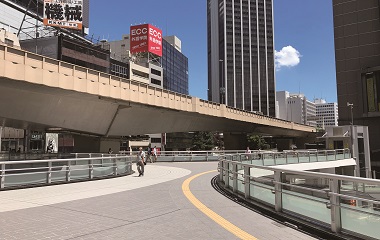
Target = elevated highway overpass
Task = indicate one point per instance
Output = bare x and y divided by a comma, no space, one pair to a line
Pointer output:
39,92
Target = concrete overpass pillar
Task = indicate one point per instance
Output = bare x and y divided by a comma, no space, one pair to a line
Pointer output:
89,144
235,141
86,144
105,144
284,144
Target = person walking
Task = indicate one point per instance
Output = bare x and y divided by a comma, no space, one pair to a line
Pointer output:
247,153
140,162
149,155
154,154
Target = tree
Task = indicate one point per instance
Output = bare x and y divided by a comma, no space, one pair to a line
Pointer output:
257,142
202,141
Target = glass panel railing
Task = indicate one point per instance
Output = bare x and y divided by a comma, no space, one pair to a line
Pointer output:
280,158
261,185
240,182
79,172
18,179
292,157
364,220
307,196
268,159
230,175
331,156
262,192
306,205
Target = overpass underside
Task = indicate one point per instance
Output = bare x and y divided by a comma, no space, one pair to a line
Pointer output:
41,93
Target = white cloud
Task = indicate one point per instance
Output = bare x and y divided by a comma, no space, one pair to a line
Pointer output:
287,57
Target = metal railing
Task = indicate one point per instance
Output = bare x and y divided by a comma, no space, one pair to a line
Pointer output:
271,158
47,171
339,203
170,156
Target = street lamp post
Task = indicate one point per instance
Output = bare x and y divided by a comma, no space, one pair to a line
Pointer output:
222,88
351,105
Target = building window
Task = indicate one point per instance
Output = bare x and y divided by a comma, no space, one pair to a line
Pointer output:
372,86
155,72
155,81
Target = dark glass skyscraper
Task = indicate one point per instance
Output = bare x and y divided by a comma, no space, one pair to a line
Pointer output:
175,66
241,54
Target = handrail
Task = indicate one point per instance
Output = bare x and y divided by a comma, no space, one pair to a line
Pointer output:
41,171
329,192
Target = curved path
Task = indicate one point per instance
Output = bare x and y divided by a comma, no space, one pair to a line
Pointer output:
156,206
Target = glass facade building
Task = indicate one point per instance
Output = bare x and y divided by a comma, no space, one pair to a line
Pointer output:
175,66
241,54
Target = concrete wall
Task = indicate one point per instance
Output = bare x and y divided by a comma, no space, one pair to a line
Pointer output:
105,144
235,141
86,144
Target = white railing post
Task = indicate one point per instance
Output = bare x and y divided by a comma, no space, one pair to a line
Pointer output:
48,174
227,174
336,224
2,176
68,171
90,169
114,167
278,176
221,170
247,182
234,177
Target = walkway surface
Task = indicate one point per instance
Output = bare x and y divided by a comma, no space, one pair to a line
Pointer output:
164,204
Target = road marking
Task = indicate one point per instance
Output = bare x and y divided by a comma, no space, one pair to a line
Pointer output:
211,214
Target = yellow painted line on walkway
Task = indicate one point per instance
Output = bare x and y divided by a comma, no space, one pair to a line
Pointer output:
211,214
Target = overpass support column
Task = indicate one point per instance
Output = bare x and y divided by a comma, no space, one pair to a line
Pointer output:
235,141
195,103
284,144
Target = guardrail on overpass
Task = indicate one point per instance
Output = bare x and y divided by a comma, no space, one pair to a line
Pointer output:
340,203
23,173
25,66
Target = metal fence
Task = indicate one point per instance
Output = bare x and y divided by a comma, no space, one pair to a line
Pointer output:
47,171
271,158
340,203
170,156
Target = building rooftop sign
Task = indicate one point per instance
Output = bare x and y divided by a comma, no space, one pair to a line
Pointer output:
63,13
146,38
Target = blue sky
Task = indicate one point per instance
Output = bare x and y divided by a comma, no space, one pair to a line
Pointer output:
303,27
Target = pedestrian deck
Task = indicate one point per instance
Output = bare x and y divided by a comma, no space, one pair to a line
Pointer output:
151,207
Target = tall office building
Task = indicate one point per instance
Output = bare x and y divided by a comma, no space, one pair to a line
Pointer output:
175,65
241,54
327,113
295,107
357,56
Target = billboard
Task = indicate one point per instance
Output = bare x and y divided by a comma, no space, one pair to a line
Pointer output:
51,143
146,38
63,13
